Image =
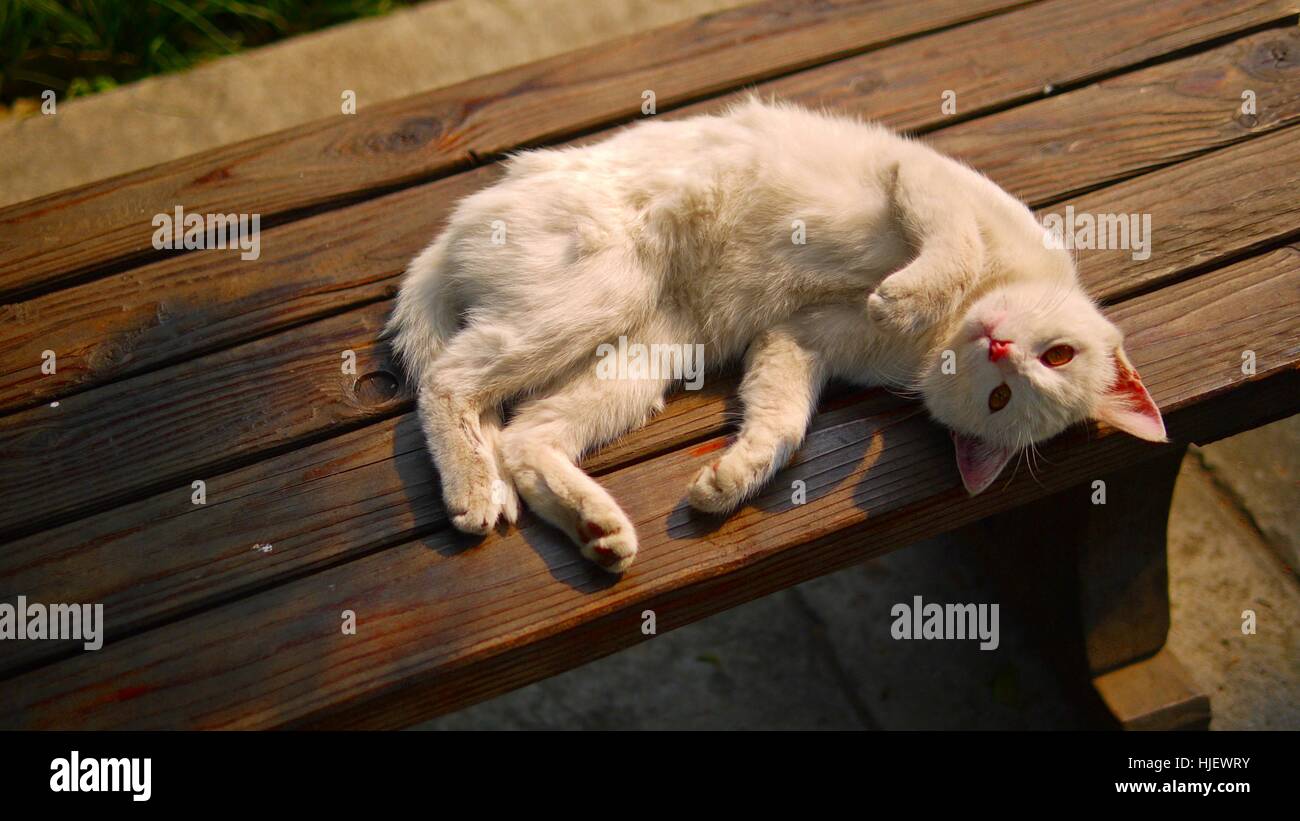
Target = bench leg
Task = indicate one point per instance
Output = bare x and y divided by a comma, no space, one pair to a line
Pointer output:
1094,574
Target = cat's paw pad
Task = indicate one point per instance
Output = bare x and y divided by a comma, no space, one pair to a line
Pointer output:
719,487
611,545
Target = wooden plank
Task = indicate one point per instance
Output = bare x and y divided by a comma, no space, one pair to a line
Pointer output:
281,391
442,624
56,238
187,305
1194,209
161,557
1141,120
1154,694
165,311
67,236
179,424
1099,597
1097,593
987,67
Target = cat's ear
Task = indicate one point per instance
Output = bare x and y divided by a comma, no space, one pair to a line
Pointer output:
979,462
1126,405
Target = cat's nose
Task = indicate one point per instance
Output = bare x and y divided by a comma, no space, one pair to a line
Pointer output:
998,349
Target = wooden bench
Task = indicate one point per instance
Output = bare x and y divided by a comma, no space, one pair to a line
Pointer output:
182,367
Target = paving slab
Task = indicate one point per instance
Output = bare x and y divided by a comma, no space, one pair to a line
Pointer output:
1218,569
302,79
1260,470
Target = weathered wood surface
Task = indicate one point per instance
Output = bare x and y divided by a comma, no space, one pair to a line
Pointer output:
287,389
240,385
120,325
59,237
877,464
68,235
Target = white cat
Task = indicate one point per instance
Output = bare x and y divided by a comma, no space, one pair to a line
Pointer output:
814,246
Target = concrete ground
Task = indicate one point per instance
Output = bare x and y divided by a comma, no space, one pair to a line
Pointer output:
302,79
816,656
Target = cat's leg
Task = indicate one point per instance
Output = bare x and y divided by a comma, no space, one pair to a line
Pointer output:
940,221
503,488
547,435
460,436
783,378
458,406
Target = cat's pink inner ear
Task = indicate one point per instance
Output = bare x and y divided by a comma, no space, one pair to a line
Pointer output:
979,462
1127,405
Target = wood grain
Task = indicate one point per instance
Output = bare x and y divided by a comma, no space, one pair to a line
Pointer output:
194,419
170,427
206,631
1140,120
988,67
443,623
166,311
66,236
55,238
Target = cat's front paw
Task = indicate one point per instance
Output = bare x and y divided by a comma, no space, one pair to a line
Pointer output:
721,486
900,308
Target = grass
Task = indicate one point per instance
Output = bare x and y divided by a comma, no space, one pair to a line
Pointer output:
78,47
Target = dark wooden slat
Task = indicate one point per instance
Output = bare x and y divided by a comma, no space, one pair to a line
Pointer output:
48,240
1244,194
182,423
986,66
1097,599
184,306
442,624
114,327
1143,119
1198,217
404,142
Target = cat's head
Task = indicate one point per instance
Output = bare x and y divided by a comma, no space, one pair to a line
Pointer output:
1027,361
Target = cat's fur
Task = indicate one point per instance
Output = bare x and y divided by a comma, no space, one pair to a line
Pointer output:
685,232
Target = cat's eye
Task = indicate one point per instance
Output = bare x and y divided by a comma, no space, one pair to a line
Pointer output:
999,398
1057,355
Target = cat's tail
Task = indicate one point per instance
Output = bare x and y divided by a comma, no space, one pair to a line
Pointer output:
425,316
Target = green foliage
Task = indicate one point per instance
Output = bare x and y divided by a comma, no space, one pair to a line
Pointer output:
84,46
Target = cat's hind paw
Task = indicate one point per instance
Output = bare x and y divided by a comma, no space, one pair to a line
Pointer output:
475,509
608,543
